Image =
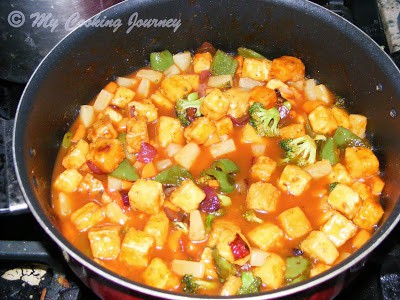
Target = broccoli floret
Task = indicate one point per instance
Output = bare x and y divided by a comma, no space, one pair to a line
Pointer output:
250,216
191,284
250,284
264,121
301,151
182,105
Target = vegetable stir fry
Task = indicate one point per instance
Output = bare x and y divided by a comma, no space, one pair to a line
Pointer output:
217,174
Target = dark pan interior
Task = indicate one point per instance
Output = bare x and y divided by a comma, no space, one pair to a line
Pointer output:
333,51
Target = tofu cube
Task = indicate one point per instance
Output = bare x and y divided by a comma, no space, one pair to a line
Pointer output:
113,115
214,105
169,130
159,275
176,87
105,241
263,168
90,184
322,120
318,268
339,174
76,155
188,196
257,69
361,162
187,155
224,126
262,197
115,214
358,125
146,196
294,222
106,154
369,214
339,229
319,247
360,238
287,68
135,248
199,130
265,236
272,272
238,102
362,190
202,62
158,226
68,181
161,101
292,131
87,216
193,79
222,148
136,134
345,200
102,128
294,180
341,117
249,135
263,95
377,185
144,108
122,97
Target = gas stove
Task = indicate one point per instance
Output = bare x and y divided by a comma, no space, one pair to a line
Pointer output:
38,271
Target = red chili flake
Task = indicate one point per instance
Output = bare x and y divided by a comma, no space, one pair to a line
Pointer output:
125,198
146,153
95,169
204,75
239,248
132,111
240,121
211,202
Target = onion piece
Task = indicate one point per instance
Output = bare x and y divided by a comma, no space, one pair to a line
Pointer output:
258,257
144,88
258,149
103,99
248,83
126,82
114,184
86,114
221,81
163,164
182,267
319,169
196,227
172,149
183,60
172,70
222,148
153,76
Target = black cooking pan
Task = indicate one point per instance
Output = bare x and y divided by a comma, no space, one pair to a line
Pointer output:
334,52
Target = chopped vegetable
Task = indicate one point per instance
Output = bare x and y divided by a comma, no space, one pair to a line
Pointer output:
248,53
223,267
183,108
181,226
125,171
208,222
345,138
340,102
301,150
160,61
239,248
225,165
250,284
174,175
332,186
146,153
297,269
226,181
329,151
191,284
211,202
122,137
224,199
223,64
264,121
66,142
250,216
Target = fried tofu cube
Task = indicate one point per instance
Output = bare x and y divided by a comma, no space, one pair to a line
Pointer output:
224,126
294,180
144,108
87,216
263,95
102,128
339,174
214,105
362,190
360,238
202,62
169,130
263,168
135,248
113,115
358,124
318,268
105,241
187,155
341,117
76,155
161,101
115,213
292,131
345,200
272,272
287,68
262,197
68,181
361,162
158,226
257,69
199,130
176,87
146,196
339,229
377,185
159,275
369,214
193,79
294,222
322,120
238,102
249,135
188,196
90,184
106,154
265,236
136,134
318,246
122,97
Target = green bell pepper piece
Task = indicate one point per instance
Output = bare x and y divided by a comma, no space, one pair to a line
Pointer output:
160,61
208,222
193,96
173,175
223,64
122,137
297,269
223,267
345,138
248,53
226,181
329,151
66,142
125,171
225,165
